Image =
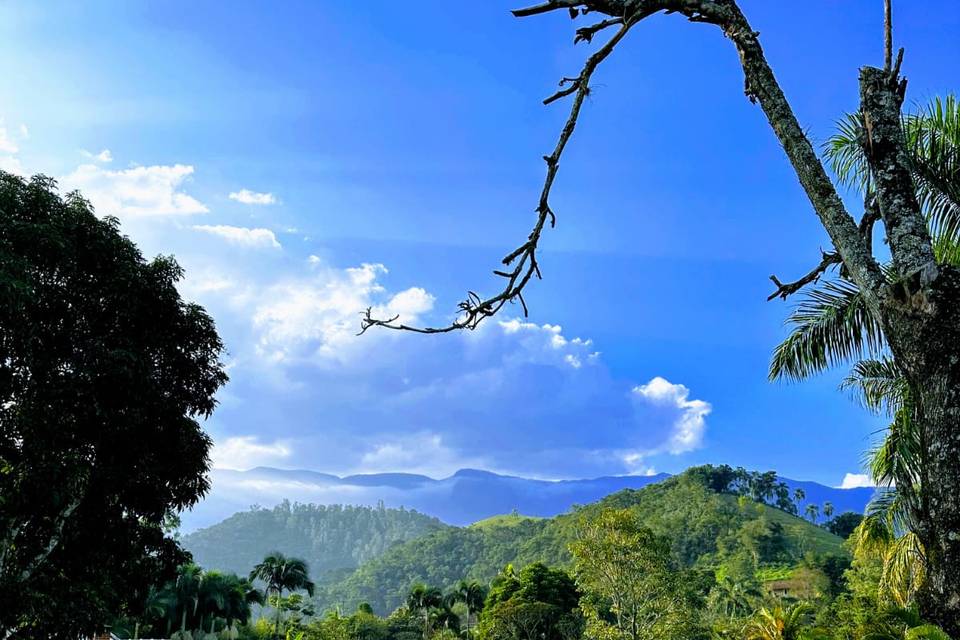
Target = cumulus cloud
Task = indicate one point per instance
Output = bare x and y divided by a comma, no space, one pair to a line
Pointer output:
103,156
136,192
856,480
243,236
689,416
245,452
245,196
318,316
513,396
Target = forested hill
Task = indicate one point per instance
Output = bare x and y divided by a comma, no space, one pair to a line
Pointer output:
708,528
332,539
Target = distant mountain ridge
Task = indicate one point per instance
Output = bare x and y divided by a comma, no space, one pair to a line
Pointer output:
333,539
467,496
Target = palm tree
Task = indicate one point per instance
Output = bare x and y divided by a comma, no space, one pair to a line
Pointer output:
813,512
241,594
778,623
905,625
732,597
472,594
281,573
827,510
213,596
161,605
442,617
799,495
187,590
832,326
422,599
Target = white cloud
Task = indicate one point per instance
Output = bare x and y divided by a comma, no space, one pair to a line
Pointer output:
244,452
513,395
103,156
246,196
856,480
11,164
24,132
320,316
137,192
241,235
690,415
423,453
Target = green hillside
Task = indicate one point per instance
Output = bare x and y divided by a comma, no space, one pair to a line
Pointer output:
706,530
333,539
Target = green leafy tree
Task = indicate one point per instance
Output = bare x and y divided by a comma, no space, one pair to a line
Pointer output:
812,512
844,524
104,374
539,602
280,574
633,590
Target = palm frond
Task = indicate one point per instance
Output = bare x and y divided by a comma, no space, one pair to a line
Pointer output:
872,535
904,569
844,152
878,383
933,140
897,460
946,249
832,326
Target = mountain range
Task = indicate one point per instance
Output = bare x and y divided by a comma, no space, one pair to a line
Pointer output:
467,496
373,554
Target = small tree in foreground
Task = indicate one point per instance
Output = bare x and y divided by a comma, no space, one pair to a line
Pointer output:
280,574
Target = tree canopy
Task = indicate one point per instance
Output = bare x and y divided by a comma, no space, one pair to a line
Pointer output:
104,374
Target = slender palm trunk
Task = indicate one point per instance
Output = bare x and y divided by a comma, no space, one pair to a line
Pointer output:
276,628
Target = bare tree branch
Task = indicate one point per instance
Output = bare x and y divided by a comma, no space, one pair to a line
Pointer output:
785,289
887,35
523,259
760,85
585,34
828,259
545,7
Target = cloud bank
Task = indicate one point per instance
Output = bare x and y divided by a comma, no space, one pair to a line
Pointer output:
512,396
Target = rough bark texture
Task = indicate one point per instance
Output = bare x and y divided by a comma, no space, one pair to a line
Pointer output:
920,311
925,342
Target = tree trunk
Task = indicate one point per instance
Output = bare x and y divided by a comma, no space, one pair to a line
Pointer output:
924,334
276,628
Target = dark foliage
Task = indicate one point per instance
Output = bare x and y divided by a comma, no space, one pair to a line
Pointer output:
104,372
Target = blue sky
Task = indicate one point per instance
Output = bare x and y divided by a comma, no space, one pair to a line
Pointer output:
306,160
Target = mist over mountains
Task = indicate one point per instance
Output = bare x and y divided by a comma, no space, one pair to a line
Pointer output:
465,497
